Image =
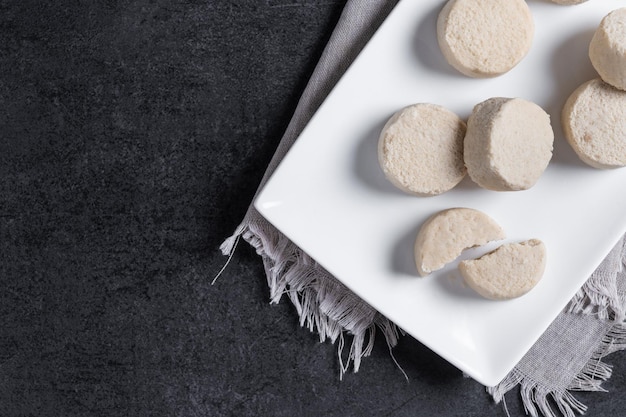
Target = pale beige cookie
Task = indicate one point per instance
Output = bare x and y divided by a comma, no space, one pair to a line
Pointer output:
446,234
485,38
508,272
568,2
420,149
594,123
607,49
508,144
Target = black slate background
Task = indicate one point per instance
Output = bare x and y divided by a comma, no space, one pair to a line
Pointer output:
133,135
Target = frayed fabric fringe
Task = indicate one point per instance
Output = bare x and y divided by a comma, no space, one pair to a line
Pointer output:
537,399
603,297
323,304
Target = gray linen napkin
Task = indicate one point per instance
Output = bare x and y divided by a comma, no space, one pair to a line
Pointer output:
568,357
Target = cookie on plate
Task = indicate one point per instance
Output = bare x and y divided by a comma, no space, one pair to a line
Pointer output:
607,49
508,272
594,123
420,149
508,144
485,38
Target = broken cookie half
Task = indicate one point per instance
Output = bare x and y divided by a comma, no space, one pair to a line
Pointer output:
508,272
446,234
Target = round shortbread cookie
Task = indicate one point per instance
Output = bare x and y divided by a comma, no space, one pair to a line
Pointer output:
607,49
446,234
594,123
485,38
508,272
420,149
508,144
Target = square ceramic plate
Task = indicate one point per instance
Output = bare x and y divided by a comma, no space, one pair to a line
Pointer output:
330,197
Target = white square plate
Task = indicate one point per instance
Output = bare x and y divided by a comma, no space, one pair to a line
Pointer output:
330,197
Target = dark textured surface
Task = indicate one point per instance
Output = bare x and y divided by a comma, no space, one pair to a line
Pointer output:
133,136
